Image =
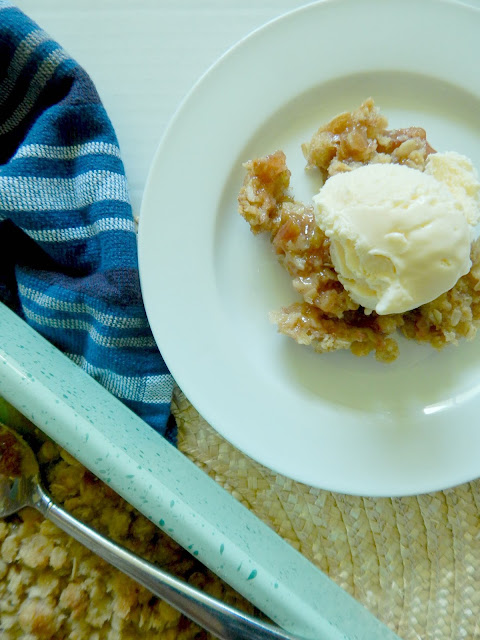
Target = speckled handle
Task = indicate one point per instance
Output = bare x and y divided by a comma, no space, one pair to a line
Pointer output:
157,479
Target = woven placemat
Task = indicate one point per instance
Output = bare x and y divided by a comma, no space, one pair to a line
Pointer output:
414,562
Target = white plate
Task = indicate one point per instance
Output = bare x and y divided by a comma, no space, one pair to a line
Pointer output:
332,421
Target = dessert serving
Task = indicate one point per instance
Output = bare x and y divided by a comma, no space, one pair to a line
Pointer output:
387,244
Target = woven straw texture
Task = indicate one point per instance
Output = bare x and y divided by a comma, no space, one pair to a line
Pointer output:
414,562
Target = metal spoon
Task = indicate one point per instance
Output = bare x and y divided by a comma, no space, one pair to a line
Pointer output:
20,486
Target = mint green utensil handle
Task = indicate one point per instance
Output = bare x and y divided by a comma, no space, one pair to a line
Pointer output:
157,479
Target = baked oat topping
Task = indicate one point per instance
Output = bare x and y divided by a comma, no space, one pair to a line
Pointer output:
327,318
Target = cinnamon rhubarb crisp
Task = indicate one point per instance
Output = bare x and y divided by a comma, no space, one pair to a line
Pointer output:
326,317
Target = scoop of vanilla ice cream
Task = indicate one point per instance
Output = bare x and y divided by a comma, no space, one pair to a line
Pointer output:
400,237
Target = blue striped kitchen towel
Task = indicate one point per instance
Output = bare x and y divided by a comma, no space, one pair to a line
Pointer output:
68,253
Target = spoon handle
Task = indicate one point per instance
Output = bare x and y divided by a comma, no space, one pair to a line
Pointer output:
225,622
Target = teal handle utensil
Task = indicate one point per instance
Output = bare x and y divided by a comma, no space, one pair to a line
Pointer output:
157,479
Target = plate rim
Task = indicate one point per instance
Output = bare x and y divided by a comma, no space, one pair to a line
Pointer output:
151,177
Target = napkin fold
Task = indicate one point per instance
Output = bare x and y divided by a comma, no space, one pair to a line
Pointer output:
68,252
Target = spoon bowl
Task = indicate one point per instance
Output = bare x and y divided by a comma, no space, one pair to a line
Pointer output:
19,473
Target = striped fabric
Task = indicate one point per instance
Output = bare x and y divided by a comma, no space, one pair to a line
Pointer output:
68,254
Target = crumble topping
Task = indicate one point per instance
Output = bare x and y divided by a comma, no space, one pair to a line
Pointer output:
327,318
54,588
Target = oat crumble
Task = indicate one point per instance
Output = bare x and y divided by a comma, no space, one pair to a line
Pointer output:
328,319
53,588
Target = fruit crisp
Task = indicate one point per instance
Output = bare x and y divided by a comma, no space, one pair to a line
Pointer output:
327,318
